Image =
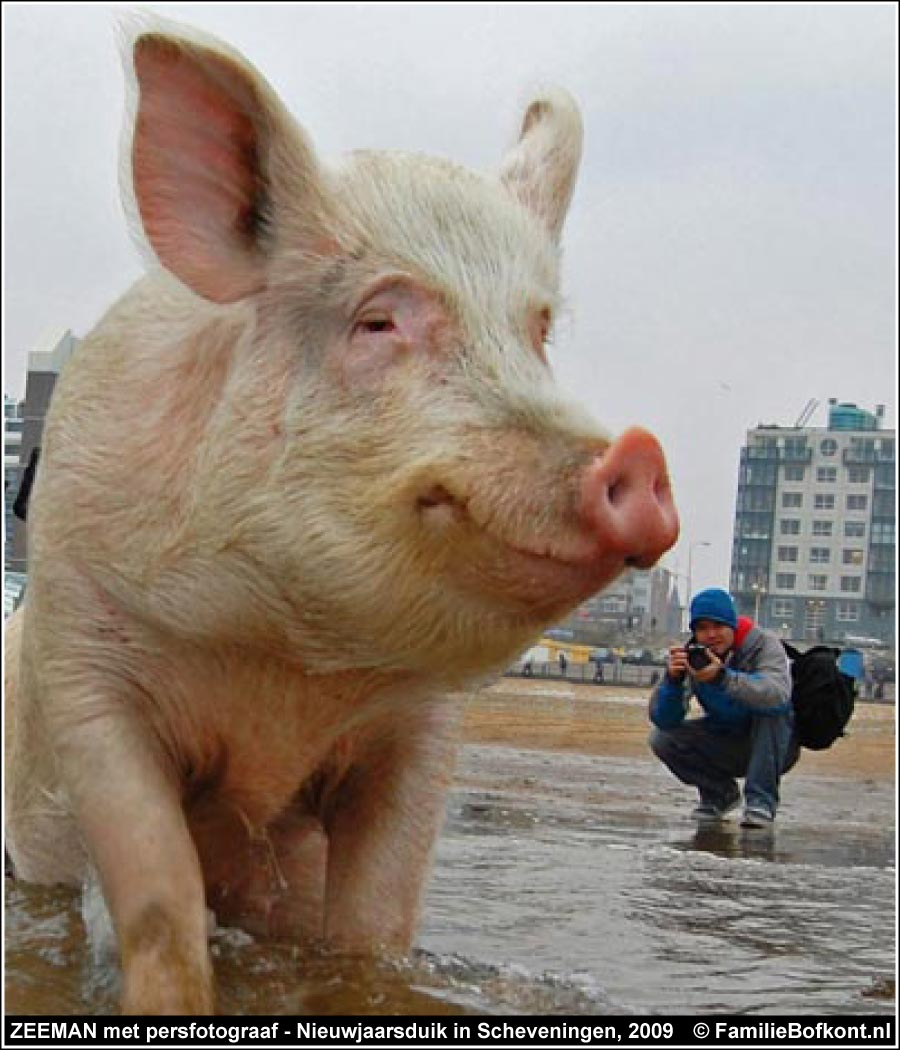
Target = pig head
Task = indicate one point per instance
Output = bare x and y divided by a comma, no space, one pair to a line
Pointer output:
305,475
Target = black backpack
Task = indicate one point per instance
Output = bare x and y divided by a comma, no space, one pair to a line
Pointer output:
822,696
20,507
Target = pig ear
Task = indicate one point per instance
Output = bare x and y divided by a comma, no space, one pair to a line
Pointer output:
540,169
210,147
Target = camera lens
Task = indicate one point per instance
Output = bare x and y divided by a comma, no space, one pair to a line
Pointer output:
697,656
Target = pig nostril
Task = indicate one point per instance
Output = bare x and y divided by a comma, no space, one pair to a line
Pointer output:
620,491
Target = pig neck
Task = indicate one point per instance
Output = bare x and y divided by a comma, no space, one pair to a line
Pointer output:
253,730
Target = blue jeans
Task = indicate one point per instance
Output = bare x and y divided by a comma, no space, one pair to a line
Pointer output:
710,761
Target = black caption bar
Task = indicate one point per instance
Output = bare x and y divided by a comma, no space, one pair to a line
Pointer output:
463,1031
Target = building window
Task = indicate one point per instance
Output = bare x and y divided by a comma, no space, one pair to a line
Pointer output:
792,499
854,529
883,503
826,474
751,529
884,476
616,604
824,501
847,612
818,583
822,528
815,619
783,609
819,555
828,447
851,584
793,473
858,475
767,445
790,527
785,581
857,502
883,532
852,557
760,474
752,499
882,558
787,553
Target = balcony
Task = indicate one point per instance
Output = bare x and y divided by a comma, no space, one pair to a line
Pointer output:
861,456
791,454
795,455
757,455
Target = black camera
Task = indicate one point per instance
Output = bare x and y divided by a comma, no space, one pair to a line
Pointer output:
697,656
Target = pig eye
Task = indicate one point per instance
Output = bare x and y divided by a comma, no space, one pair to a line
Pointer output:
539,325
374,325
546,324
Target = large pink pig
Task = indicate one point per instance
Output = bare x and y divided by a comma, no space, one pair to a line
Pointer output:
305,477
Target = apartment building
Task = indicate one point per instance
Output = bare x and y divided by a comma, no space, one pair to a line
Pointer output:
44,365
641,604
814,545
13,423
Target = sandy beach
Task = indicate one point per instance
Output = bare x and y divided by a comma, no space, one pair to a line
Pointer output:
551,714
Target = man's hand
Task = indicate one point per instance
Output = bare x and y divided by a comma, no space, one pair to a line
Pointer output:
677,663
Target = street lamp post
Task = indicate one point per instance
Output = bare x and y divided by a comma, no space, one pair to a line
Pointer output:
759,589
687,604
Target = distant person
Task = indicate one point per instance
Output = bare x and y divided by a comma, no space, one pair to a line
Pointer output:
741,678
563,663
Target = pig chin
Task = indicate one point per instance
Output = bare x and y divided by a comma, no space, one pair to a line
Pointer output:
540,587
524,580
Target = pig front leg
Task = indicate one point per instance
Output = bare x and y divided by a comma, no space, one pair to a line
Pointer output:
128,807
381,833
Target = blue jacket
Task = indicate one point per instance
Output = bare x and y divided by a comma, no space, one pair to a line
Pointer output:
756,681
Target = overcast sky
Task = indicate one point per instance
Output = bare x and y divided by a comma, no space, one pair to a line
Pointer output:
730,252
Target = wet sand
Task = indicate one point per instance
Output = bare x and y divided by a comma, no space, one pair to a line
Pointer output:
555,715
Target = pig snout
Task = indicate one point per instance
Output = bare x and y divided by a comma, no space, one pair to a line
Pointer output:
627,500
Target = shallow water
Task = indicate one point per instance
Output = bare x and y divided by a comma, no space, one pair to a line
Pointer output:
568,884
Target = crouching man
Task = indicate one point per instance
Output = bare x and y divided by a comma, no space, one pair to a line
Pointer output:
741,678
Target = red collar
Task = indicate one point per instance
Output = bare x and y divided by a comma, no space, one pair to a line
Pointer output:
744,626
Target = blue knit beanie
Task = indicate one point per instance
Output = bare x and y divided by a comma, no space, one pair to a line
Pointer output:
714,604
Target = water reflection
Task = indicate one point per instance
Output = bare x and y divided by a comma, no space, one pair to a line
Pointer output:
863,845
728,840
